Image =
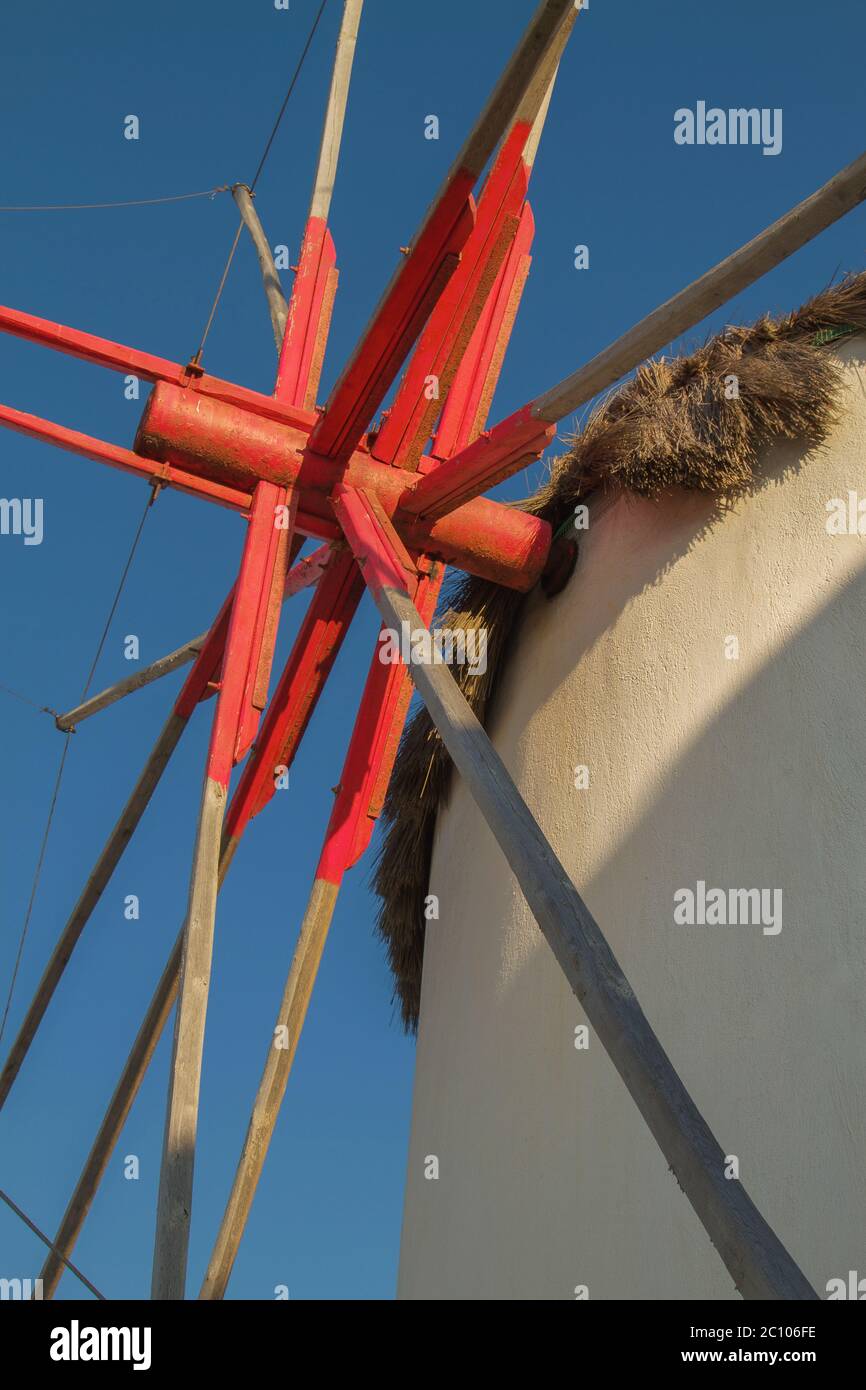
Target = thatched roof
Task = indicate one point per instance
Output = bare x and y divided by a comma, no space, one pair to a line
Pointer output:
671,426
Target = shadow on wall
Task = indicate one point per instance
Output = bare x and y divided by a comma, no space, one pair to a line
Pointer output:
752,776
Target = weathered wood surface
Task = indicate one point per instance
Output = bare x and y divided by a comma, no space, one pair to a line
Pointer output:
277,306
272,1087
163,666
335,112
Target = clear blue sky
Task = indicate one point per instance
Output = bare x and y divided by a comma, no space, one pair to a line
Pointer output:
206,80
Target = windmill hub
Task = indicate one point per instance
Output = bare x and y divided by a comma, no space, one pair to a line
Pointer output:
236,447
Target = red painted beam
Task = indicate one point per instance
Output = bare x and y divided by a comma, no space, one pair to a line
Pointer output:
267,617
397,321
102,352
200,683
496,455
310,661
309,318
251,592
471,394
128,462
386,562
207,663
369,763
374,544
447,334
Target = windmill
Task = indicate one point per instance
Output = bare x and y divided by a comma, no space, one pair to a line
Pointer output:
390,512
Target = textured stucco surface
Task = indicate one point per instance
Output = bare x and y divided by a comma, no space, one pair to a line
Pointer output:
746,773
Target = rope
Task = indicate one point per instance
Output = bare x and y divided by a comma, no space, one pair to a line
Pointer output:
60,770
51,1246
25,700
282,110
132,203
266,152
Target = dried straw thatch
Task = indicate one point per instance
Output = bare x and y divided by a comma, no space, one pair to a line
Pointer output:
671,426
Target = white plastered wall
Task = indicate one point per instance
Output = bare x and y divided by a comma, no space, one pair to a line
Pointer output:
746,773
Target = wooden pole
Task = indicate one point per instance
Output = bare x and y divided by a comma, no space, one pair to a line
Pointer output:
758,1263
277,305
531,57
163,666
306,572
787,235
335,112
91,894
272,1087
253,595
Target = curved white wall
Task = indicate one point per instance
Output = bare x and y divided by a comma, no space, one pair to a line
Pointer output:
747,773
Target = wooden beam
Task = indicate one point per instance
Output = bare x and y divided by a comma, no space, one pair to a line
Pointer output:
489,460
252,592
442,348
115,1118
269,1097
306,572
312,301
335,112
277,306
758,1263
846,190
529,66
163,666
494,455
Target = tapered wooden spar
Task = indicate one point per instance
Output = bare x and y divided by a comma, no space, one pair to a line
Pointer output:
277,306
360,796
487,462
434,251
312,301
307,571
244,650
163,666
335,112
846,190
755,1258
